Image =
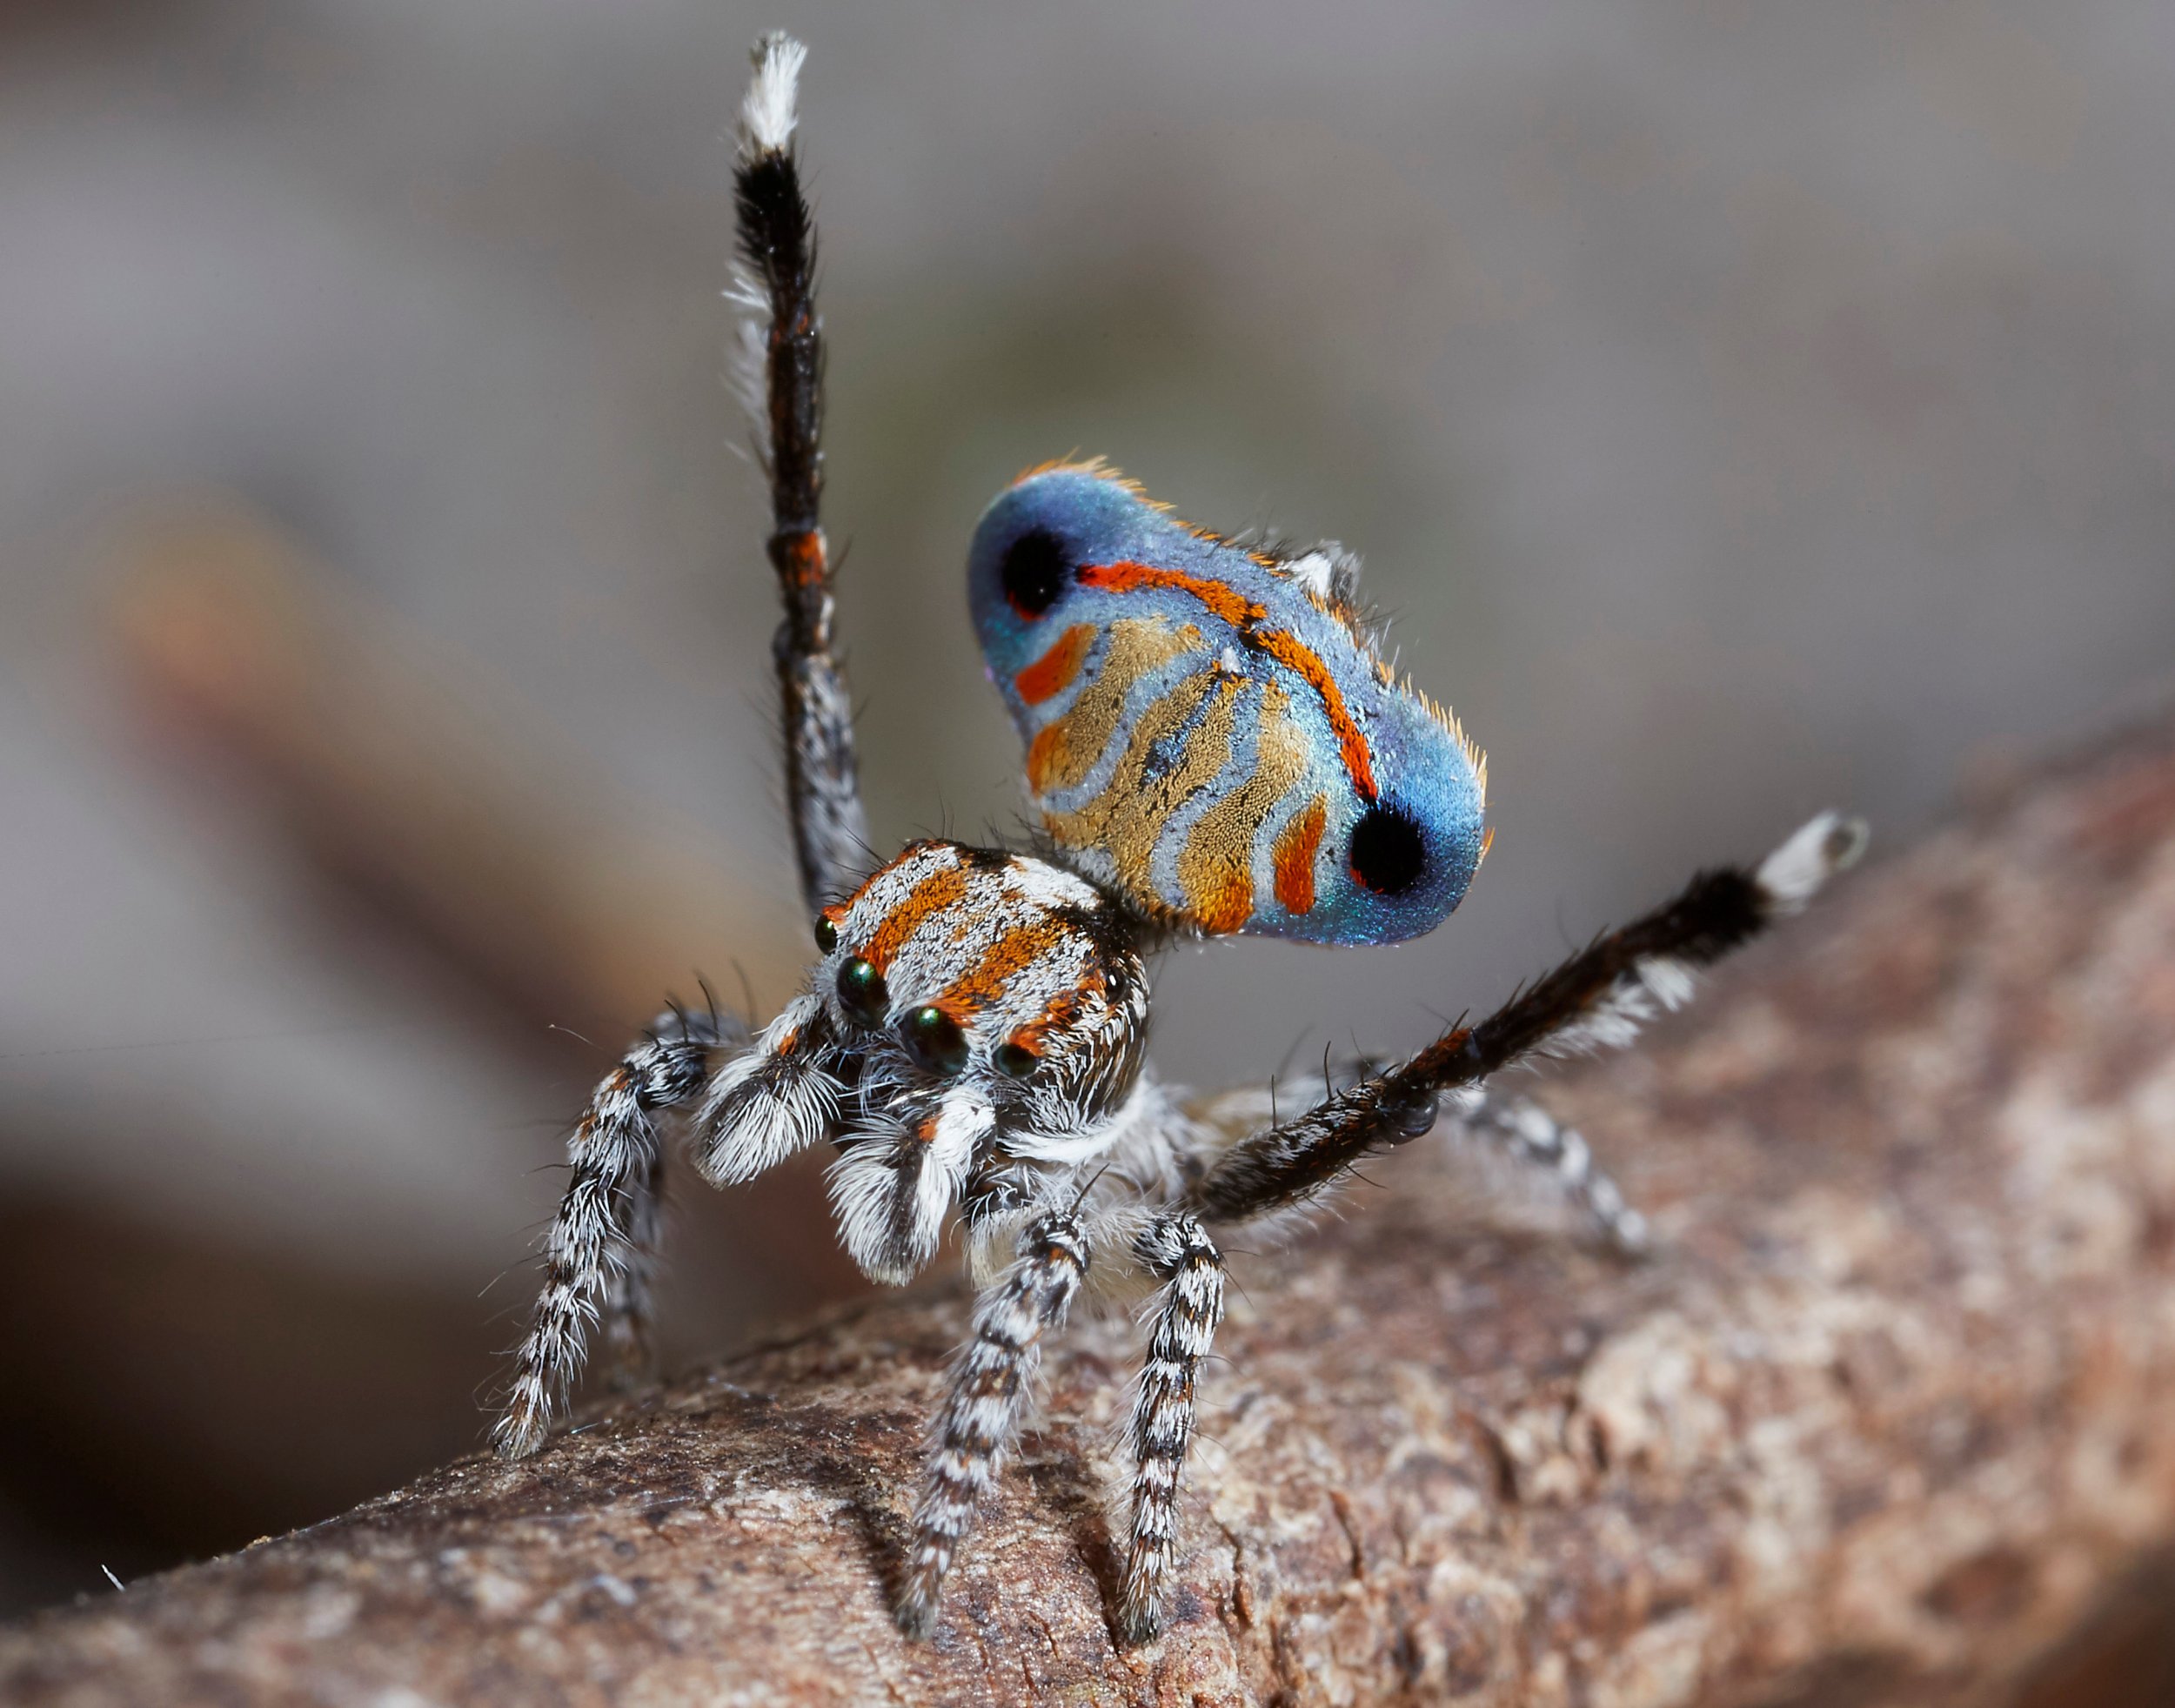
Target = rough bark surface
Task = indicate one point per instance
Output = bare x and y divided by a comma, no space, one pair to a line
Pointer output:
1888,1418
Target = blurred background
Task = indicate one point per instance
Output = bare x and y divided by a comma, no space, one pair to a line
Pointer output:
1741,409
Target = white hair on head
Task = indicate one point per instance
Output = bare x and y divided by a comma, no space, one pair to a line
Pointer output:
768,115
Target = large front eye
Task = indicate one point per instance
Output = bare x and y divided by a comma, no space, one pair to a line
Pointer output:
934,1040
862,991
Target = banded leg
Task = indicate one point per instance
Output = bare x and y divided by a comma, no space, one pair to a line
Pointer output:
783,351
982,1408
1596,1000
626,1313
598,1252
1187,1317
1536,1140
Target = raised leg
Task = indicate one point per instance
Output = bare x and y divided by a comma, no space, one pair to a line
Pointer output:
1187,1313
599,1250
784,355
1596,1000
982,1408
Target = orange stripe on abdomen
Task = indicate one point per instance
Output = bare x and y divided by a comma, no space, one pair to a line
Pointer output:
1215,868
1295,654
1245,617
1293,856
1065,750
1223,599
1052,673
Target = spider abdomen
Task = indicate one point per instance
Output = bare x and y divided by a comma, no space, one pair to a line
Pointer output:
1210,730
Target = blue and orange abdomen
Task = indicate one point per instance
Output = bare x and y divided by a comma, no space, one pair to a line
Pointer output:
1210,730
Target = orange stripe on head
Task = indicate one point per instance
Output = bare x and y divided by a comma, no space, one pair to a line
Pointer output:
1296,845
933,893
1052,672
1295,655
1016,949
1059,1011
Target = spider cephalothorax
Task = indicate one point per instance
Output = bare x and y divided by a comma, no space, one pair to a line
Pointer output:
967,999
1215,744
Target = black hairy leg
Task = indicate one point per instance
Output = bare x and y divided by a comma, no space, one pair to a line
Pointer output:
784,356
1596,999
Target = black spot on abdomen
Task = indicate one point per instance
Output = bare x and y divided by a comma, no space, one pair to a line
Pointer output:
1036,566
1389,854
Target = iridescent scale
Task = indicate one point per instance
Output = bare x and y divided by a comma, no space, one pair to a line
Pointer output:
1210,730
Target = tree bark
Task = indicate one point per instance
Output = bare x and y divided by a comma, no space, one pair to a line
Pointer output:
1890,1415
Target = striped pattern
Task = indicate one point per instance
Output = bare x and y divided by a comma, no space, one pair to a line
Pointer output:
1536,1141
601,1247
989,1386
1179,1250
1207,728
1252,623
1003,943
1022,956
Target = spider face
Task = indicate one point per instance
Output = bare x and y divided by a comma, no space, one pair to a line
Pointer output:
971,1007
990,976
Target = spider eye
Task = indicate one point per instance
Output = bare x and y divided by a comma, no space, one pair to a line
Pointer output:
1016,1062
862,991
1388,854
934,1040
1035,571
827,934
